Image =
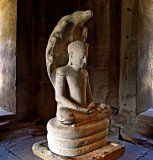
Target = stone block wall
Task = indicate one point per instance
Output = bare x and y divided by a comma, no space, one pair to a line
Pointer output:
128,58
25,61
145,56
136,78
36,20
8,20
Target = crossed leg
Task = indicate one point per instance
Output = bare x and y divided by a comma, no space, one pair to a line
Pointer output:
69,116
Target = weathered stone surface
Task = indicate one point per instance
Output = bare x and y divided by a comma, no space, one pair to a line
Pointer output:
142,125
136,130
78,150
145,56
70,143
109,152
22,152
128,67
136,66
16,144
6,118
147,156
8,19
5,154
56,129
6,115
100,89
136,136
146,117
144,141
134,152
144,128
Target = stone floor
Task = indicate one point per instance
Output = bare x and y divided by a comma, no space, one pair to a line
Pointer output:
16,145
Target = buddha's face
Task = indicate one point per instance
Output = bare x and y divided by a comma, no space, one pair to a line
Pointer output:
79,59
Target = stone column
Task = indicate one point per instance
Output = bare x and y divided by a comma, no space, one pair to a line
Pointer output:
128,59
145,56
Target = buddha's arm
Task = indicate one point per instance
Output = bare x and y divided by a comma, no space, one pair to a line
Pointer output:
60,97
89,93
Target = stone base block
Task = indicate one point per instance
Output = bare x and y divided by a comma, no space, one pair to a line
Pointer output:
112,151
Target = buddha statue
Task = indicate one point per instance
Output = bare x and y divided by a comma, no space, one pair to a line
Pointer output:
80,128
80,125
72,89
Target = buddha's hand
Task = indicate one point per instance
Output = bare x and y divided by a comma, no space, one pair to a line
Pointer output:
85,110
91,107
103,108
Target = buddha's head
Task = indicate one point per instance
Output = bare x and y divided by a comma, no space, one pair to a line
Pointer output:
77,54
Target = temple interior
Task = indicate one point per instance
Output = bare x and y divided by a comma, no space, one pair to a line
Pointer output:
120,66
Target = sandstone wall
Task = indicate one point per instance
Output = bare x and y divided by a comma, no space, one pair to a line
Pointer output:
36,20
128,58
25,51
145,56
8,54
136,78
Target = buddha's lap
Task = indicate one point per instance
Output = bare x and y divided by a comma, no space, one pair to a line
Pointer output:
63,112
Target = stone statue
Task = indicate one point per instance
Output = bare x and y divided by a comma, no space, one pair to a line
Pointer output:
80,125
72,89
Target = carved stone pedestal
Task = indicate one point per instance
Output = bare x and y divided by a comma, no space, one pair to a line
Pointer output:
70,141
111,151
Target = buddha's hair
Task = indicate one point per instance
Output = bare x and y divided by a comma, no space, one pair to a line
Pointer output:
75,46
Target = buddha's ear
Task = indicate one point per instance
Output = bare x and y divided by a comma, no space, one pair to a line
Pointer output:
70,54
70,57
